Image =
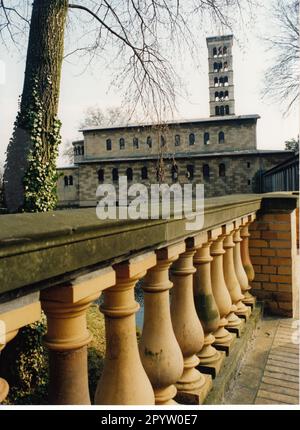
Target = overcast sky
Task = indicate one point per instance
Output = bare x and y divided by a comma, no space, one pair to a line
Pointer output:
79,91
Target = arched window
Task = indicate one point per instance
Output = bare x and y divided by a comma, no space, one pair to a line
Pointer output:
122,143
177,140
174,173
226,81
70,180
221,80
190,171
149,141
108,144
221,137
82,150
206,138
192,139
220,51
162,141
75,150
222,111
225,50
144,172
216,96
216,82
101,175
136,142
221,95
217,110
129,174
115,174
66,181
220,66
216,67
227,111
225,66
226,95
205,171
222,169
215,52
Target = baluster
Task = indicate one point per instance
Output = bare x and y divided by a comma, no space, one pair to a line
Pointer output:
124,380
210,358
248,298
193,386
5,338
235,324
159,350
67,335
238,265
19,313
221,294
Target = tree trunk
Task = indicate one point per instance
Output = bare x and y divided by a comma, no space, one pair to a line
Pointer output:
30,171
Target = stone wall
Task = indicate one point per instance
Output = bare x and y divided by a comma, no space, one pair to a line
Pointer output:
68,195
240,173
239,134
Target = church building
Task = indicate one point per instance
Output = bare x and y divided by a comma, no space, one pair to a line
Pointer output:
219,151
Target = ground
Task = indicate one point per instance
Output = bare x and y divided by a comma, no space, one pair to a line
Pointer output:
269,373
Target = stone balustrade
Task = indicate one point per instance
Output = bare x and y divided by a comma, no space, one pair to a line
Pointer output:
196,287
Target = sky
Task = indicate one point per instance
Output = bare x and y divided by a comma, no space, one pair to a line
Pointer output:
81,90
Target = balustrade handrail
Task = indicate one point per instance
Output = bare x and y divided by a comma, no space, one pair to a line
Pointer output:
44,249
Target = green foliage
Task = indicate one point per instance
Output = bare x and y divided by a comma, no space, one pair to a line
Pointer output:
41,177
24,364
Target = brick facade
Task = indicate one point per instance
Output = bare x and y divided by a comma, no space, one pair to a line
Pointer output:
273,251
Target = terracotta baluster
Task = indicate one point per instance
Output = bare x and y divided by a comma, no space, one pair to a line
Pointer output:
234,322
159,350
244,232
221,294
67,336
193,386
210,358
124,380
238,265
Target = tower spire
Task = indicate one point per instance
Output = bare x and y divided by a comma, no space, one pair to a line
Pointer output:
221,88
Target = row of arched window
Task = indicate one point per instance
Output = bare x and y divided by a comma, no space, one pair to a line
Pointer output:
220,51
79,150
221,95
129,174
222,110
68,180
218,67
190,172
177,138
221,82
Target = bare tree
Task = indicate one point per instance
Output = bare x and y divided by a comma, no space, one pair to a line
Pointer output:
282,83
137,35
95,116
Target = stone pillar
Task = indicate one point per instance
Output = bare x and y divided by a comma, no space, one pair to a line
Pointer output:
15,314
221,294
193,386
248,299
67,336
124,380
235,324
238,265
159,350
206,307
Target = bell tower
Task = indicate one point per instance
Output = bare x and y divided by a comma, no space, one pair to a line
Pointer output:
221,88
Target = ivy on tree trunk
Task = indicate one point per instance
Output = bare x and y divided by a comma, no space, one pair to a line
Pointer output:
30,176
